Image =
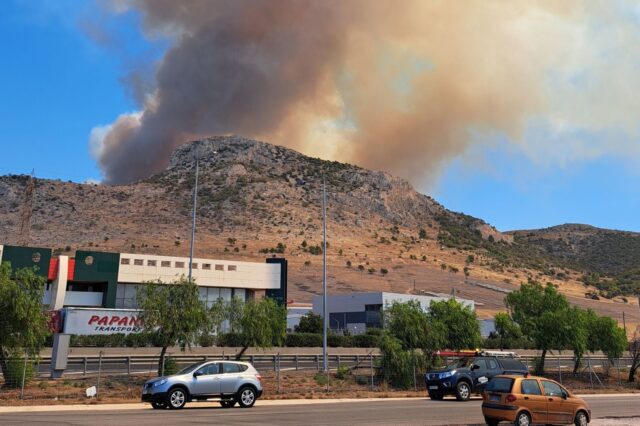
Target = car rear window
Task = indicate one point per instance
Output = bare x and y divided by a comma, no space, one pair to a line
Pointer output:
234,368
500,384
511,364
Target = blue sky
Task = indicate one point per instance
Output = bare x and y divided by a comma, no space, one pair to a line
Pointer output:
57,83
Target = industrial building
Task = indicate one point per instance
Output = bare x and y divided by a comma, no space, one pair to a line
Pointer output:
356,312
110,280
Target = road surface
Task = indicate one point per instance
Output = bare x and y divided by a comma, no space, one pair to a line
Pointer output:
607,410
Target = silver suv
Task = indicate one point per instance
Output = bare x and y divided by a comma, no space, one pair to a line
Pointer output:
230,381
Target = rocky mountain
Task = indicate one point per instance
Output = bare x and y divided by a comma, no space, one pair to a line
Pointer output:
258,200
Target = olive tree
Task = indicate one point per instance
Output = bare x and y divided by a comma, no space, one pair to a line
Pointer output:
23,322
173,312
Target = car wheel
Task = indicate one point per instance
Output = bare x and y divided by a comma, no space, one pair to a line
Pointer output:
581,419
246,397
491,422
176,398
159,405
523,419
436,396
227,404
463,391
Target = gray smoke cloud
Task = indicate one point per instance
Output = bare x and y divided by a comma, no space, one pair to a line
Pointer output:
401,87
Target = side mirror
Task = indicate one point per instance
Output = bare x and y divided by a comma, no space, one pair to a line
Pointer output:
475,367
197,373
564,395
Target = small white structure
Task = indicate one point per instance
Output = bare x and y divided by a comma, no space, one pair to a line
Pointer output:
356,312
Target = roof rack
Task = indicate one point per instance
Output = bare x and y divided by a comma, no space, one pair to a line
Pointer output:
502,354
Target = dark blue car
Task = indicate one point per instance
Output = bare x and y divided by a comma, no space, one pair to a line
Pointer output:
469,375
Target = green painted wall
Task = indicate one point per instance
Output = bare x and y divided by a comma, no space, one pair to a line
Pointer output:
25,257
99,266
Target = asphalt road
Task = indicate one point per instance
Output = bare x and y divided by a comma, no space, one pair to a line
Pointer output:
382,412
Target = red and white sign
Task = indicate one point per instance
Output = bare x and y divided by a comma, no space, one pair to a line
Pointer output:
101,321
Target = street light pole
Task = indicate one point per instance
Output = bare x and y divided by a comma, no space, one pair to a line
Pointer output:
324,278
193,221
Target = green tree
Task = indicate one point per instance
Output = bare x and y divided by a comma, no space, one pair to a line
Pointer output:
309,323
234,311
397,363
611,338
539,311
173,312
506,328
408,339
23,322
409,323
263,323
459,321
634,351
422,234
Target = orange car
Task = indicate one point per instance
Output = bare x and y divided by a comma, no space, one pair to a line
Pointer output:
525,400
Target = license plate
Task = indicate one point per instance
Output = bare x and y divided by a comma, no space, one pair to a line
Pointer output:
433,387
494,397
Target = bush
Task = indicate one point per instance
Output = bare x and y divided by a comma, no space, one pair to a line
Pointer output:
206,340
303,340
15,368
342,373
366,340
336,341
321,379
230,340
170,366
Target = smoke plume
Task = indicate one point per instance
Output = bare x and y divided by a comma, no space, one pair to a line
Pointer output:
397,86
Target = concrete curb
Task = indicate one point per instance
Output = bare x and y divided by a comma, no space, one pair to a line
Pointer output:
260,403
145,406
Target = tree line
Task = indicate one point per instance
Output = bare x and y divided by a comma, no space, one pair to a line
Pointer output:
411,337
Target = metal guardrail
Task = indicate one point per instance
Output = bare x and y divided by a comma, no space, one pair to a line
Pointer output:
138,364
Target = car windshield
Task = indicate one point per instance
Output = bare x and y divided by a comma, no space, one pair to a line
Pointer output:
189,369
459,363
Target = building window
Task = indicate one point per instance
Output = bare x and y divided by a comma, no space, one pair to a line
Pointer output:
179,264
124,261
219,267
151,263
194,266
231,268
206,266
138,262
165,264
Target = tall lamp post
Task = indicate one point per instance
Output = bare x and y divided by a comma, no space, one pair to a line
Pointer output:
324,278
193,219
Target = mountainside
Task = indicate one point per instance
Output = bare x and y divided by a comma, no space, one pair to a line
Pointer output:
257,199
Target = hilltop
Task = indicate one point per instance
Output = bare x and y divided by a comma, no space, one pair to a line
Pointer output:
257,200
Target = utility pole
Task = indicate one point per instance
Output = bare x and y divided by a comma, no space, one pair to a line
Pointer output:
324,277
624,322
27,210
193,220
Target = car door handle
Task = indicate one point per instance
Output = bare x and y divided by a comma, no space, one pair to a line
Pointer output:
526,397
550,399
